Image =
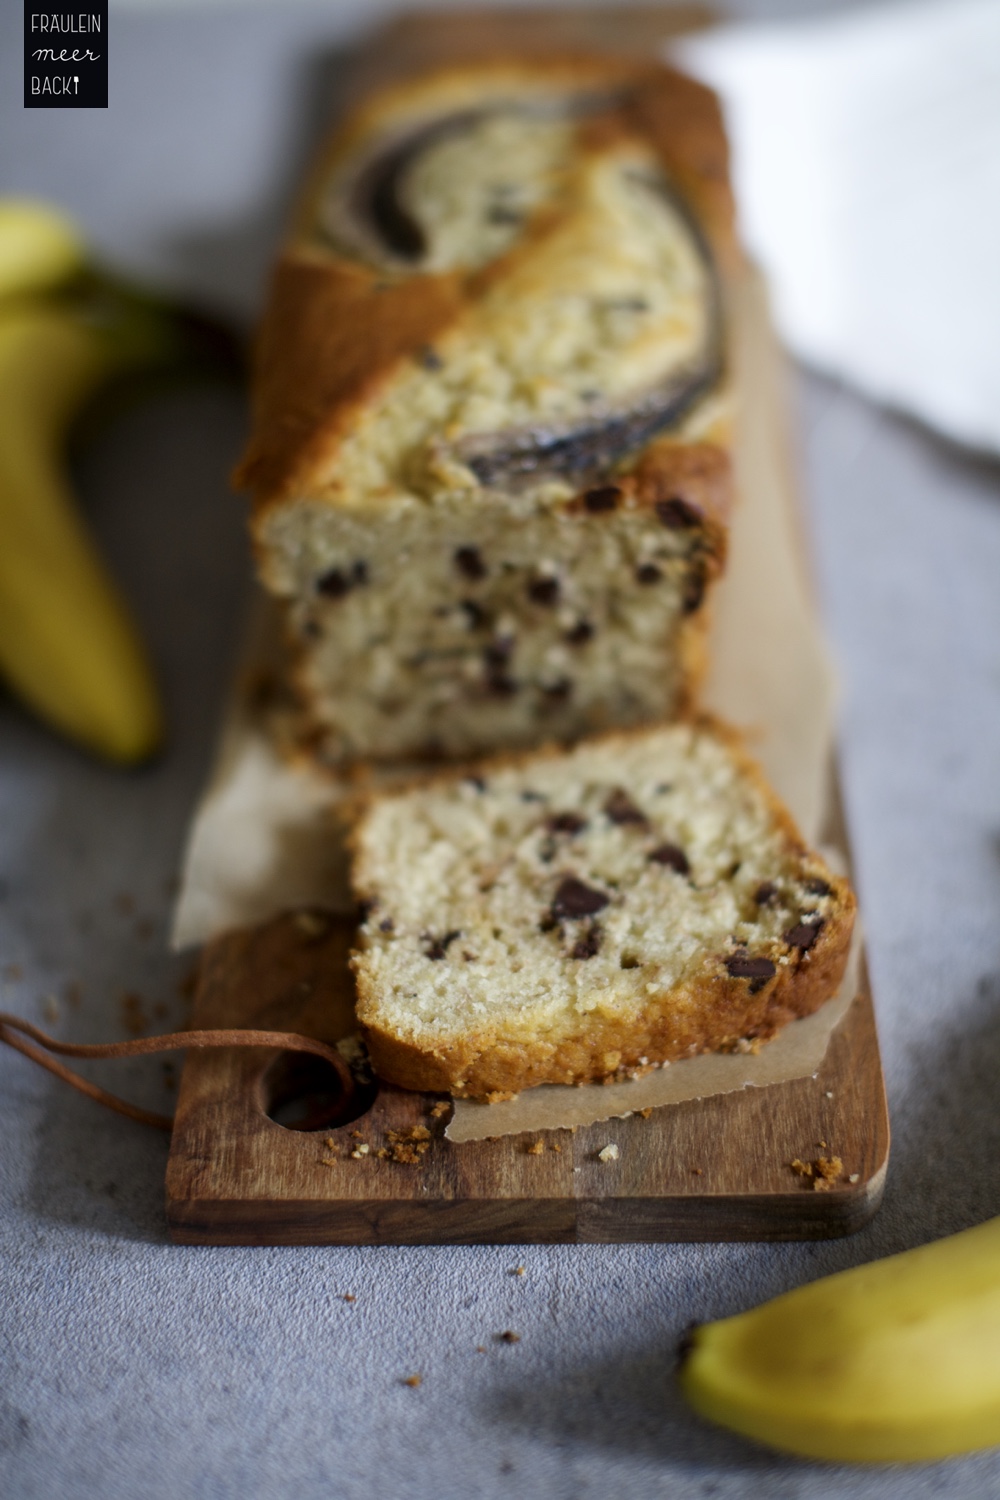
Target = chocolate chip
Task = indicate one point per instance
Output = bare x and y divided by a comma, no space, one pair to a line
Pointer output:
468,560
589,945
672,856
438,947
648,573
334,584
558,692
677,513
365,909
817,887
430,358
694,591
605,497
498,652
337,582
757,970
566,822
621,809
574,899
544,591
803,935
766,893
474,613
548,923
386,925
475,781
580,634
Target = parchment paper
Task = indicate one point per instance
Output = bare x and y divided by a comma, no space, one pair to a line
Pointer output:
265,838
796,1052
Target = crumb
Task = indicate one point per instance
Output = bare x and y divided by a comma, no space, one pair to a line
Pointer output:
609,1153
440,1109
133,1014
50,1009
854,1177
741,1045
480,1348
361,1150
413,1380
822,1146
356,1135
405,1146
535,1149
330,1143
509,1336
697,1172
555,1146
311,924
644,1114
349,1297
824,1172
518,1271
500,1096
829,1093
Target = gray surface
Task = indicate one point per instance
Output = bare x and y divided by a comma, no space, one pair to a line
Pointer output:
134,1368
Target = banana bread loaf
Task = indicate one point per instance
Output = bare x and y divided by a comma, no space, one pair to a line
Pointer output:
566,916
489,458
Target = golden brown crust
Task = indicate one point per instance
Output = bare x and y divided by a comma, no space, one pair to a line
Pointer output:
703,1015
334,330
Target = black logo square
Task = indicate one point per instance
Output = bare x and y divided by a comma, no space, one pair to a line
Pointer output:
65,55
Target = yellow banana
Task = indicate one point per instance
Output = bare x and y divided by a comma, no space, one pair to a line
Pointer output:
890,1362
40,247
67,644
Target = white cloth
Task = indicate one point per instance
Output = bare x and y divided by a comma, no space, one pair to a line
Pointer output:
867,168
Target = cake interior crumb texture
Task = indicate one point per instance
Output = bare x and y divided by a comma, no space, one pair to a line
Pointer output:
461,631
582,914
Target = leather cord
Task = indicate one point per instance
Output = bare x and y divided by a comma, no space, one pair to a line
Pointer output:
14,1030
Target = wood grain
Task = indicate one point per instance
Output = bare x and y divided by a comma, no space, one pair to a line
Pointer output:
710,1169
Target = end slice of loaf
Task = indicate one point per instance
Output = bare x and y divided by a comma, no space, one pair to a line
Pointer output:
571,916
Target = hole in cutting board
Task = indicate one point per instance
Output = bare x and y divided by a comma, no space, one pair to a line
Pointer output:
302,1092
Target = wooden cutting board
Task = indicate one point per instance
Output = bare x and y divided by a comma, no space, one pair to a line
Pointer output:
710,1169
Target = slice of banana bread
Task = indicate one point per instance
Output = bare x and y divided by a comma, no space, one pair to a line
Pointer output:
489,460
569,916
